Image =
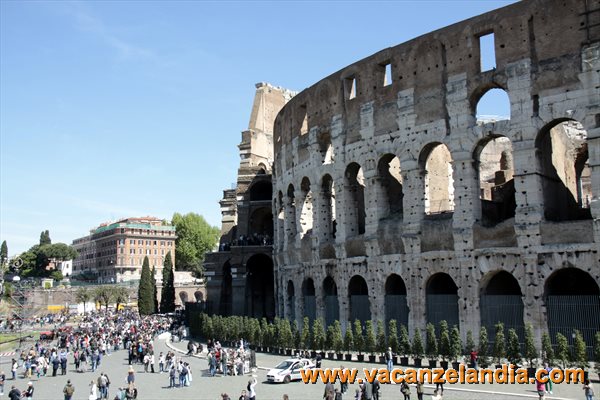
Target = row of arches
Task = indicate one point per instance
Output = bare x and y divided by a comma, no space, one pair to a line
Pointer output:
562,161
500,300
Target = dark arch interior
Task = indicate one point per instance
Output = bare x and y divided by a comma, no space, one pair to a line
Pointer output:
571,281
391,185
226,290
329,287
183,296
261,222
356,191
358,286
199,296
441,284
394,285
503,283
290,289
308,287
261,190
260,300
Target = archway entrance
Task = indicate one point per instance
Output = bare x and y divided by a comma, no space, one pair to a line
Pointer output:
330,295
291,301
360,307
395,300
310,303
226,290
260,300
442,300
573,302
501,301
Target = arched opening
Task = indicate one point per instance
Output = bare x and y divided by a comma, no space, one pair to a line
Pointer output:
390,185
436,162
261,191
291,214
310,301
325,147
396,306
573,302
328,207
280,220
330,295
199,296
442,299
360,306
355,208
492,106
261,226
496,183
501,301
306,213
291,301
260,293
225,302
183,296
562,154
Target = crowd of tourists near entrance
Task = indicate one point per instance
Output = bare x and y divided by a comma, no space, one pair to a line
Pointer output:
82,347
233,361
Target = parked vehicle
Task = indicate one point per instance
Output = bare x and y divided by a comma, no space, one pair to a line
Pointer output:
289,370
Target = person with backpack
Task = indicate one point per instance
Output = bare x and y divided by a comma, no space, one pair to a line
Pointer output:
251,389
405,390
102,386
68,390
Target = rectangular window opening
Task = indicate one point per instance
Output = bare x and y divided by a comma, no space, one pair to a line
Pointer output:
487,52
304,122
350,88
387,78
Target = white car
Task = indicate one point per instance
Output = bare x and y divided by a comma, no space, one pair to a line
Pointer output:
289,370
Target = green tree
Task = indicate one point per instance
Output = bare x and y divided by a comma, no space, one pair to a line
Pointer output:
57,275
484,347
381,343
318,335
597,352
348,338
562,349
359,339
167,294
329,337
513,348
369,337
499,343
296,335
431,341
417,344
83,295
287,337
195,237
3,254
145,291
455,343
38,257
393,335
305,336
102,295
530,350
154,290
338,340
470,343
120,295
547,348
403,341
579,354
45,238
444,340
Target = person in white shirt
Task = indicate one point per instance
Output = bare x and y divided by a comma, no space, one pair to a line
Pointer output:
437,395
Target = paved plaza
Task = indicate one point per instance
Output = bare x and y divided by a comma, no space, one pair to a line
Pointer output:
155,386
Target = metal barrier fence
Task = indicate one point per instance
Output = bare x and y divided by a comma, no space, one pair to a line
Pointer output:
507,309
360,308
396,308
332,310
442,307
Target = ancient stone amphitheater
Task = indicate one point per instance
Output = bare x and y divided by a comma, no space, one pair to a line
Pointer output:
394,199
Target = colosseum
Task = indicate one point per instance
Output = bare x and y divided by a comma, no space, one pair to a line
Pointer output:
394,199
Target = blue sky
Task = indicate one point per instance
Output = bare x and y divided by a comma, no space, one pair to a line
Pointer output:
111,109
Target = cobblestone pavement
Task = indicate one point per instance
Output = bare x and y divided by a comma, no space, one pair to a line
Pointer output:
155,386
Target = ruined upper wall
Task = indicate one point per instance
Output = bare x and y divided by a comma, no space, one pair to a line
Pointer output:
548,33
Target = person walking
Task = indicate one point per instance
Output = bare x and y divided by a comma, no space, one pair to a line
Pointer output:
2,380
252,389
28,393
130,376
68,390
548,385
405,390
420,390
13,369
588,390
161,362
389,359
93,391
14,394
172,375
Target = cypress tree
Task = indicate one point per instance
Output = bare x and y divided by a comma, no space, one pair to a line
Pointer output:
562,349
513,349
530,350
381,342
579,355
349,338
547,348
145,293
499,343
431,342
483,347
3,253
369,337
393,335
167,294
154,293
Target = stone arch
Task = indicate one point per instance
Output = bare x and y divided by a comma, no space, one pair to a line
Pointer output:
291,213
495,171
491,103
325,147
358,293
260,293
501,300
183,296
396,306
355,206
261,223
291,300
436,163
280,209
306,211
572,302
225,302
310,301
330,297
389,181
562,156
328,207
261,191
442,299
199,296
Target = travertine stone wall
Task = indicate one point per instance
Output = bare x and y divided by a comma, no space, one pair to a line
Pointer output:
547,57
